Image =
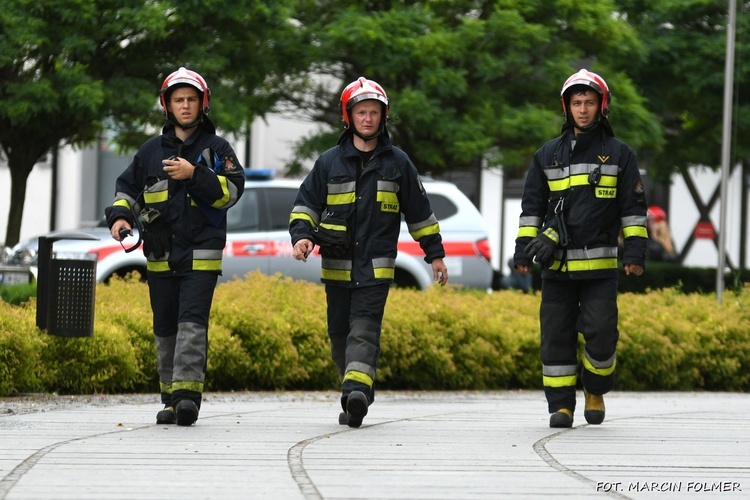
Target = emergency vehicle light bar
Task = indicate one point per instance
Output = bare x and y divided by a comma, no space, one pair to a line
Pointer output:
259,174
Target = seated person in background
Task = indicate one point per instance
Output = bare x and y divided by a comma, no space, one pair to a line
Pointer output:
516,280
660,245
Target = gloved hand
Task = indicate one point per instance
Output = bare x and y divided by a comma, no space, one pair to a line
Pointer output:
157,235
543,247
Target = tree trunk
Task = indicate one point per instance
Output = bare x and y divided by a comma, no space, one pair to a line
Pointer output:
19,174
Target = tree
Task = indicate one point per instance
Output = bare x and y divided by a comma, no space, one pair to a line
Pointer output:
472,81
66,68
683,78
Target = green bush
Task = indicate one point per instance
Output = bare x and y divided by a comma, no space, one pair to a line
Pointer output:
16,294
279,325
269,333
660,275
675,341
21,347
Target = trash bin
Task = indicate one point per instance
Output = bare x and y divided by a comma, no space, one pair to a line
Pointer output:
66,289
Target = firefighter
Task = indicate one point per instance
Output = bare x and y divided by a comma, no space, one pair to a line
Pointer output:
581,190
176,191
350,205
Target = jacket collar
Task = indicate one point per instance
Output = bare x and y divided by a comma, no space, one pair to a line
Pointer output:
346,143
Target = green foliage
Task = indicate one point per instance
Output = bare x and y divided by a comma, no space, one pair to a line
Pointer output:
269,333
21,368
279,330
66,68
675,341
660,275
449,339
683,78
105,363
469,81
15,294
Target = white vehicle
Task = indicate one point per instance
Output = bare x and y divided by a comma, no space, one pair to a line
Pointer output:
258,239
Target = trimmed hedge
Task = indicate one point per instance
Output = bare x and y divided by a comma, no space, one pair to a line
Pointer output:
269,333
660,275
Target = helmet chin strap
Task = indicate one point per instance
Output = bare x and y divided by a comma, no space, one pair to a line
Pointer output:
588,127
367,138
197,122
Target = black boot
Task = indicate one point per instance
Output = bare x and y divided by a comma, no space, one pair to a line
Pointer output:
343,417
561,418
356,408
166,416
187,412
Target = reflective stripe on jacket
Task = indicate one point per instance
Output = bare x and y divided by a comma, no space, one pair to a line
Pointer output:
371,203
197,241
594,180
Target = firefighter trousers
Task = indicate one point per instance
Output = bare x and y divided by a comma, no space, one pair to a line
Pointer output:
569,307
181,306
355,317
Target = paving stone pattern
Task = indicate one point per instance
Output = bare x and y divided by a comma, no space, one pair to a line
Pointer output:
412,445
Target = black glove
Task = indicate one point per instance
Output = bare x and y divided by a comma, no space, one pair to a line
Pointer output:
543,247
332,236
157,235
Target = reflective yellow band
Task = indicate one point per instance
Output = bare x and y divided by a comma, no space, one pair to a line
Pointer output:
298,216
579,180
159,266
568,381
586,265
426,231
165,388
388,201
637,231
384,272
336,274
187,385
333,227
225,190
560,185
207,265
121,203
360,377
608,181
157,197
599,371
552,234
340,199
528,232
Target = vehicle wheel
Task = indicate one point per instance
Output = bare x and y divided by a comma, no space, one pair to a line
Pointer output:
403,279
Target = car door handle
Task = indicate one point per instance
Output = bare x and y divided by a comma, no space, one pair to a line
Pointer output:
254,247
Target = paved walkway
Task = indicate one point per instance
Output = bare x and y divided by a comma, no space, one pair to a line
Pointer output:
412,445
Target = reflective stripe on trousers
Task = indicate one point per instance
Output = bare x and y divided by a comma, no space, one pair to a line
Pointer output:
569,307
181,306
355,317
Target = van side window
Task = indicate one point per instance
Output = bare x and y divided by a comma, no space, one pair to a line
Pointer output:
280,204
244,216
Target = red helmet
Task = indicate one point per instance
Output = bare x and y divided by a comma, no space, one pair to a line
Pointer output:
592,80
361,90
656,213
181,78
